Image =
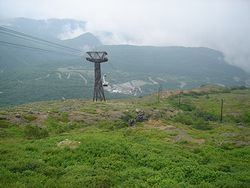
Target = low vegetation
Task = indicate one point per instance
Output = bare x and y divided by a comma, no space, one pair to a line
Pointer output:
180,143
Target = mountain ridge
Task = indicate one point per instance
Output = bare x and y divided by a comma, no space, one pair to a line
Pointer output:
131,70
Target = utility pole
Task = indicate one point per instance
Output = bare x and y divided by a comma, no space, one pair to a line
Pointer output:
97,58
159,93
221,111
179,98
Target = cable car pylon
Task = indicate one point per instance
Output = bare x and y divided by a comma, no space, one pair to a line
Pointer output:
98,57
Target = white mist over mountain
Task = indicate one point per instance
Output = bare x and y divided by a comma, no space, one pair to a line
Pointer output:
70,33
219,24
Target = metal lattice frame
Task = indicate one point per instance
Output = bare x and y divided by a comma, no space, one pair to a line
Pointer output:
98,58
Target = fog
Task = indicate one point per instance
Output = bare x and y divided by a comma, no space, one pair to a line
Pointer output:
219,24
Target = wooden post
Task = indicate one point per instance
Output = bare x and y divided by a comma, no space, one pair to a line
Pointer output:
158,96
159,93
179,99
221,111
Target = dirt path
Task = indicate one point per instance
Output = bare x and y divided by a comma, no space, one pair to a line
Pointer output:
181,135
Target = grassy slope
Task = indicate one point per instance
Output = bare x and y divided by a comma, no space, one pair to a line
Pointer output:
78,143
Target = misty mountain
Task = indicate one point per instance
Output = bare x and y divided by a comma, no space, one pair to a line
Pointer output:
83,42
64,31
32,75
180,61
50,28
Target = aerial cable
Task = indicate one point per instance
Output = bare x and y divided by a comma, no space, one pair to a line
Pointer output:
32,40
4,43
39,39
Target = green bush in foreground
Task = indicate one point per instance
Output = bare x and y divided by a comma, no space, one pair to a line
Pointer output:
191,118
32,131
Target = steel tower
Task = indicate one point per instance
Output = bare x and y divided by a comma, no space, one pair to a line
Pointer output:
97,57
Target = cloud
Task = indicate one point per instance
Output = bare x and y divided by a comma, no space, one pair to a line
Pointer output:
220,24
70,33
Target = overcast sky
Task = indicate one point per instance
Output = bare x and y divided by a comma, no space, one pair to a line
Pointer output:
218,24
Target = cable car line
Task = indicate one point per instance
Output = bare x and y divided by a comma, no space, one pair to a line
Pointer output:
24,36
32,40
5,43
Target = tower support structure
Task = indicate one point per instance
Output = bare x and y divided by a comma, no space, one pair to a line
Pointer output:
98,57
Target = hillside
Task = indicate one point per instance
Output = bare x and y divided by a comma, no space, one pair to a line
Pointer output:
28,75
131,71
80,143
174,66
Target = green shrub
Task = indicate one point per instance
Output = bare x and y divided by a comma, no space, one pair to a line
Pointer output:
107,124
121,124
195,94
63,117
225,168
184,118
26,165
231,183
186,107
226,146
206,116
59,117
4,124
30,118
174,100
201,124
238,88
126,117
58,125
190,118
244,118
90,110
35,132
